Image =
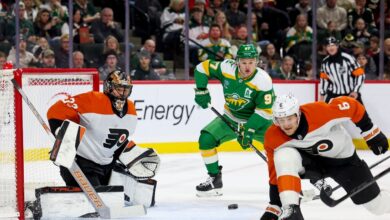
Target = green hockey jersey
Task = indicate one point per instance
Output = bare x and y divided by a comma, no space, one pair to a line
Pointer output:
243,98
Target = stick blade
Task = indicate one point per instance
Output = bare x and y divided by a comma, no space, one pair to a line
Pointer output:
123,212
325,198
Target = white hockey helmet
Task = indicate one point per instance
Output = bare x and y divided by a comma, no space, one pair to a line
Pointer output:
285,105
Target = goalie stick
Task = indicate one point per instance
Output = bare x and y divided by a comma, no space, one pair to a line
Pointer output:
237,132
329,201
315,197
96,201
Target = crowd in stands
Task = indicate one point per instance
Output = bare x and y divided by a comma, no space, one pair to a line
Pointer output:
281,29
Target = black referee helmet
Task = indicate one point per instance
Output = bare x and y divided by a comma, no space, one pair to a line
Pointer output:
331,40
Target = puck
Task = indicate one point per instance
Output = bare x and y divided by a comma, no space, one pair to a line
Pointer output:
232,206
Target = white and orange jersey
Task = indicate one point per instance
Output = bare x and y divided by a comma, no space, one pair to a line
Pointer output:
105,131
325,137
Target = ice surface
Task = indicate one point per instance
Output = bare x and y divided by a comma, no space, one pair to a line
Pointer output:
245,180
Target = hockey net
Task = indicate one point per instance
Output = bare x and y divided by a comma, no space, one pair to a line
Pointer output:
24,145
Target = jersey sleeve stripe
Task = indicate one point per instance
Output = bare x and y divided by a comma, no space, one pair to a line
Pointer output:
252,86
265,113
205,67
229,76
358,72
289,183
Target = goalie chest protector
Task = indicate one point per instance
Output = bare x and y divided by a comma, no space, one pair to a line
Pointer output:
105,131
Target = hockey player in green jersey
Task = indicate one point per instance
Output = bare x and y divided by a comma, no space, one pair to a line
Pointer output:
249,96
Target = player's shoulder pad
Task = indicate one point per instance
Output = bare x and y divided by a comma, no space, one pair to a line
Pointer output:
228,67
261,81
274,137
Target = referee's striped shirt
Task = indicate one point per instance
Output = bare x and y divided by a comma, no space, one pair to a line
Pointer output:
340,75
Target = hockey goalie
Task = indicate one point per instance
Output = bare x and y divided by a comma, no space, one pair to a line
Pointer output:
95,128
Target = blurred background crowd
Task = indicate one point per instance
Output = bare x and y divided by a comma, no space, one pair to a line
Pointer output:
165,43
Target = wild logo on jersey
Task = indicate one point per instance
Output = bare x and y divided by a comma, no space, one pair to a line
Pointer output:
116,137
235,102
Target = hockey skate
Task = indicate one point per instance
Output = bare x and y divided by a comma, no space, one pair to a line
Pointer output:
291,212
212,186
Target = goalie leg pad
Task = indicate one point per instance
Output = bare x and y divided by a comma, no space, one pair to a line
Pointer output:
137,192
380,204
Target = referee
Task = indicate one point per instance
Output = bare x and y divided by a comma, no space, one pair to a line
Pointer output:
340,74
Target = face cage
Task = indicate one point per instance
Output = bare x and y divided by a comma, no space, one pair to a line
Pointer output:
123,96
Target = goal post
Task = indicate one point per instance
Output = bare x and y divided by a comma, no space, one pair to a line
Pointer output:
24,145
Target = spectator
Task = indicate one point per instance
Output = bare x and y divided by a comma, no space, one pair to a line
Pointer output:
26,26
156,62
360,32
215,6
111,64
78,59
198,31
255,28
48,59
368,64
172,20
302,7
3,27
285,71
62,53
386,50
111,43
273,58
332,12
363,12
273,23
144,71
240,39
300,32
87,10
220,19
41,46
106,26
373,48
145,28
57,10
3,59
215,47
45,25
26,58
348,43
78,23
331,31
32,8
234,16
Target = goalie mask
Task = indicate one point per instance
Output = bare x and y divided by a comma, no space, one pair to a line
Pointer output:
118,87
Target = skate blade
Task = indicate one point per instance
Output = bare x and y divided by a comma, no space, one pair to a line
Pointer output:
210,193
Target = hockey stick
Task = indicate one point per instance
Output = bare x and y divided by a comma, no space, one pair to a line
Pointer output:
236,131
370,167
332,202
96,201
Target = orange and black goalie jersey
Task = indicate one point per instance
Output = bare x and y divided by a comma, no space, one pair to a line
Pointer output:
105,131
323,134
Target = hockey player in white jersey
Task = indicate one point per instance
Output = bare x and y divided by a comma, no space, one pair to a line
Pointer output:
309,140
106,151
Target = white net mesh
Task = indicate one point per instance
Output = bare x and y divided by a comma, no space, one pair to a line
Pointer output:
43,90
7,146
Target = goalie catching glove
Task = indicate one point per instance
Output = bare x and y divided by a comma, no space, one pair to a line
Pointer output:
141,163
376,140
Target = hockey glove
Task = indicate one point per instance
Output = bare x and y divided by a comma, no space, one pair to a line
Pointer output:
376,140
272,212
202,97
246,137
141,163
